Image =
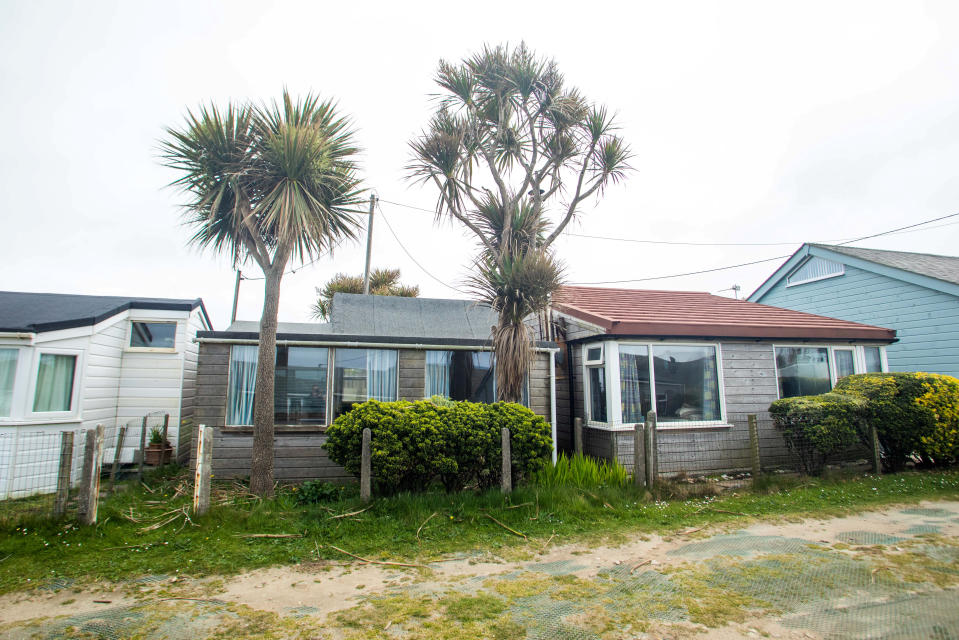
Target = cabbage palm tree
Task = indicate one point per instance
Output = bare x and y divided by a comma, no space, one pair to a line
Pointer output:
514,154
267,184
383,282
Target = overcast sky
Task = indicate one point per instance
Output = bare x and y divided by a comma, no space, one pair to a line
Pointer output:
752,122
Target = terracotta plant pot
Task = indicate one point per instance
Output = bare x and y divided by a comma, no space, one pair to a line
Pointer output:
158,454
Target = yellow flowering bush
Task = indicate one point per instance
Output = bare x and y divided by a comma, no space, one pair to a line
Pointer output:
941,399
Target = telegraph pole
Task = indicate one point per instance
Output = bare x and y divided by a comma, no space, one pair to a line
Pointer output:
369,247
236,295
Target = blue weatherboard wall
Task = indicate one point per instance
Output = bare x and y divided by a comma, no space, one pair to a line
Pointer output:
927,321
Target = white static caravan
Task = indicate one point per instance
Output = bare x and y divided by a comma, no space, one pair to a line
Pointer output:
70,362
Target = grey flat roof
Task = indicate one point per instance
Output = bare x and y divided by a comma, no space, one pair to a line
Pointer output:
387,320
37,312
928,264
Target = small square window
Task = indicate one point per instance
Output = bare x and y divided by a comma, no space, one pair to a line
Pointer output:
153,335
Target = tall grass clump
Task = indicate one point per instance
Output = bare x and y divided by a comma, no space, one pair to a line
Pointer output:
581,471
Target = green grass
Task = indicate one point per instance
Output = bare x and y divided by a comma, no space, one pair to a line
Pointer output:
41,552
583,472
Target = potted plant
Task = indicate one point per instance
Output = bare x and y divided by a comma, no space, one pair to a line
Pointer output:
159,451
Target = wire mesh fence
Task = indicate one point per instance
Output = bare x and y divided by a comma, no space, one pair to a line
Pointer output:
32,467
41,471
710,458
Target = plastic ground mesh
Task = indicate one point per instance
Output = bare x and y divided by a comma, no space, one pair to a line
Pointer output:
902,582
167,620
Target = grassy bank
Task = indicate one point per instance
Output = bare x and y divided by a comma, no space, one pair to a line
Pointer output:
146,530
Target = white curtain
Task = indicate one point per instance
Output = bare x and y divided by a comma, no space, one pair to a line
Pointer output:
8,370
54,382
242,382
438,364
381,374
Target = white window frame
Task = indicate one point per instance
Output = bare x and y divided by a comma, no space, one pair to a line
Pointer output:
587,394
858,358
614,401
21,381
477,350
331,375
678,424
75,392
796,283
129,340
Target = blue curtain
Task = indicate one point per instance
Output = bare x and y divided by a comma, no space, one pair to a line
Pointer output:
438,364
239,404
381,374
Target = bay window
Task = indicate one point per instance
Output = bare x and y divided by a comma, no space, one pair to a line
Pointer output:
872,359
683,379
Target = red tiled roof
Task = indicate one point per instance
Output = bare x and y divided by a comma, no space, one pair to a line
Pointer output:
642,312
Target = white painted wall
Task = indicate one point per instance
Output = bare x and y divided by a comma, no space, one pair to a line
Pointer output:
114,385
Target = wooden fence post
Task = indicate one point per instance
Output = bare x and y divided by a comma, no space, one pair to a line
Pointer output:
90,483
754,459
650,450
639,436
117,452
204,470
63,473
166,430
366,464
577,435
143,449
876,452
506,481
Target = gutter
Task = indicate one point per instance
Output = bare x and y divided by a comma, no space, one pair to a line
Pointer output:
366,345
18,335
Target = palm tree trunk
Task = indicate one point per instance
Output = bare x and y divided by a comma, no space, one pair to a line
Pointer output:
511,344
261,465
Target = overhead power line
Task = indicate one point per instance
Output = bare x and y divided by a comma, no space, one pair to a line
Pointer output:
840,241
746,264
410,255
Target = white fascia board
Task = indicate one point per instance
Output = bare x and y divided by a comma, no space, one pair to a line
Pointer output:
780,273
885,270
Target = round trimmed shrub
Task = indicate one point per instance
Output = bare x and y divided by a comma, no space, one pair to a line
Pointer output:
816,427
414,444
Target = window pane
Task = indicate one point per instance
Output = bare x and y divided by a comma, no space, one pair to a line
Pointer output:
363,374
438,365
597,394
8,371
300,395
634,382
158,335
844,363
803,371
54,382
873,360
687,383
239,401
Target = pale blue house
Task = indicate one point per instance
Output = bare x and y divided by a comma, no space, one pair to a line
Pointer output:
916,294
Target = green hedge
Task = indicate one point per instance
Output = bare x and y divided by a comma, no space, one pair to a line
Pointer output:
900,421
817,427
457,443
916,416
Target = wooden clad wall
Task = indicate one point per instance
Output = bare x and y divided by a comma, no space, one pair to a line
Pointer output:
299,455
925,319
